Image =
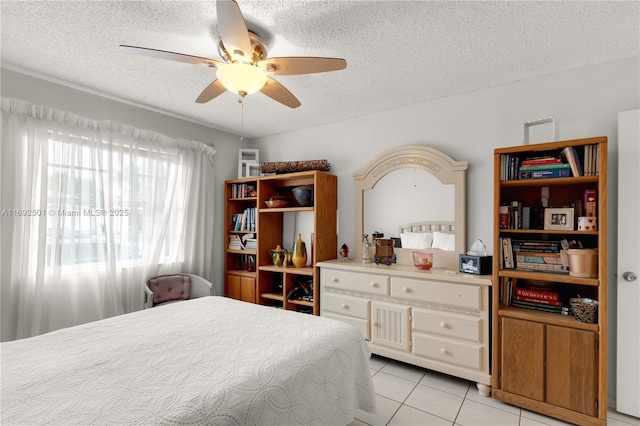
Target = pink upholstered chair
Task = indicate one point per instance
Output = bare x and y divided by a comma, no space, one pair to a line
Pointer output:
165,289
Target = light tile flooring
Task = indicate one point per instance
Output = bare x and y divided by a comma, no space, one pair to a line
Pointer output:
408,395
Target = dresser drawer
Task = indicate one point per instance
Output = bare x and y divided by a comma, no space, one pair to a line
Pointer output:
447,324
361,324
468,296
346,305
366,283
465,354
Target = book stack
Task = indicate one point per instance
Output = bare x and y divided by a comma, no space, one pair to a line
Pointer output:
244,242
538,256
547,300
234,242
543,168
532,256
251,243
540,262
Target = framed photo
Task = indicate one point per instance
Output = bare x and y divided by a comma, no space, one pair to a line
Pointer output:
558,219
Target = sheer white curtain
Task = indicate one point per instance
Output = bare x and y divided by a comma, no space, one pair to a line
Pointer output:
90,209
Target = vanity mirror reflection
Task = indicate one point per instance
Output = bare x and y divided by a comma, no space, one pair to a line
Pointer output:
417,190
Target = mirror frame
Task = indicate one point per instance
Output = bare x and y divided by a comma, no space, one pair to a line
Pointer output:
447,170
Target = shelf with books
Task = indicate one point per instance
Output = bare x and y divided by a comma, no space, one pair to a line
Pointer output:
255,229
536,257
572,160
545,296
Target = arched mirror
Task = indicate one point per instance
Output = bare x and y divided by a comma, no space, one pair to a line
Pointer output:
414,190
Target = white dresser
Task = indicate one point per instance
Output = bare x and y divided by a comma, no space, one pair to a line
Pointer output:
434,319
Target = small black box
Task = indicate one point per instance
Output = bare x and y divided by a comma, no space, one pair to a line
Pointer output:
478,265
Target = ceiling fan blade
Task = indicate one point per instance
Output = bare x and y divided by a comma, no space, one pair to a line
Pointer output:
233,29
301,65
213,90
278,92
172,56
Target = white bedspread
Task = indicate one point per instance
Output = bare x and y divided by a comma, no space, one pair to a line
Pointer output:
206,361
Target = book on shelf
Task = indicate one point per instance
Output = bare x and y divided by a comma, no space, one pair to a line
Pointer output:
534,300
591,153
544,166
505,290
590,202
542,160
542,307
234,242
546,173
526,217
536,246
244,242
537,294
571,154
507,253
251,243
542,258
541,267
504,216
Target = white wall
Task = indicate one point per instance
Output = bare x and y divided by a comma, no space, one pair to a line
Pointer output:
40,92
469,126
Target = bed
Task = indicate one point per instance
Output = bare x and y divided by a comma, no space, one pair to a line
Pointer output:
211,360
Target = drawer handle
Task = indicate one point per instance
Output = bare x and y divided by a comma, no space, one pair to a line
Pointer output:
334,279
406,289
443,324
376,324
345,306
374,285
443,351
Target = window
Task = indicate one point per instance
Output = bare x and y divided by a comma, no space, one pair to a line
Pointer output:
102,199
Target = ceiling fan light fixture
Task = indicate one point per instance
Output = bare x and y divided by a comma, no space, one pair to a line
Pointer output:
239,77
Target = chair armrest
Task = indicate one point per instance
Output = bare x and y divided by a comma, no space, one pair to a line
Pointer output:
148,297
199,286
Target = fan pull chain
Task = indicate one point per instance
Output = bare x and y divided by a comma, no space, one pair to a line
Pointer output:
241,102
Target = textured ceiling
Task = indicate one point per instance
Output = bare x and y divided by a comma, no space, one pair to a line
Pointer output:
398,53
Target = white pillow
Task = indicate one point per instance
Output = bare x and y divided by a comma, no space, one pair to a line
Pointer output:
444,241
416,240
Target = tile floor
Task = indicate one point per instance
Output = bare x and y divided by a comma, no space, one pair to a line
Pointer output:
408,395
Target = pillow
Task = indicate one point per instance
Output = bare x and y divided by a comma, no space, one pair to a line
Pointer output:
417,240
444,241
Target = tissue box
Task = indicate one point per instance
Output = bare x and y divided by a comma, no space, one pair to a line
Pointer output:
478,265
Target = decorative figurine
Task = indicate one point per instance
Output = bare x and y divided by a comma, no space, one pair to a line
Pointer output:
366,250
344,253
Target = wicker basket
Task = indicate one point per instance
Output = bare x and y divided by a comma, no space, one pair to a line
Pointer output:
295,166
584,309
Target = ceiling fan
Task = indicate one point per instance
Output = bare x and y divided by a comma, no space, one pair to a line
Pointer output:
246,68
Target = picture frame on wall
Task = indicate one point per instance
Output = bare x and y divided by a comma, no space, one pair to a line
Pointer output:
559,219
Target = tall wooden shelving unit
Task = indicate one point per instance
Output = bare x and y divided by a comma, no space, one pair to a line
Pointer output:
269,284
548,362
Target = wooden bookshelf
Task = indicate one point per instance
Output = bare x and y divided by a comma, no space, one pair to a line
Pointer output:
548,362
269,284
